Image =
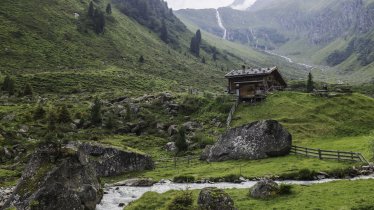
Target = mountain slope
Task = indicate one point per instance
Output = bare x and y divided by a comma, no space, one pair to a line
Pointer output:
313,32
42,40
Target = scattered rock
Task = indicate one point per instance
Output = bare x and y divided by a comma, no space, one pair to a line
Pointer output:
256,140
5,193
8,118
265,189
172,130
110,161
171,147
211,198
191,126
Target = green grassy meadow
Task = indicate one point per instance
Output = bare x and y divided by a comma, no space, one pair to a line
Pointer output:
342,195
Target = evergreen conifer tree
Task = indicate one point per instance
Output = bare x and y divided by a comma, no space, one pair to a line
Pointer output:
39,113
52,120
181,142
91,9
96,117
28,90
64,115
141,59
109,9
310,83
164,33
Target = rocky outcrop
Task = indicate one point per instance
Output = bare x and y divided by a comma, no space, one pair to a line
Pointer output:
110,161
265,189
5,193
57,178
256,140
211,198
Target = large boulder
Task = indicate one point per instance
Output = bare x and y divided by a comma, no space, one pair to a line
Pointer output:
57,178
110,161
265,189
212,198
254,141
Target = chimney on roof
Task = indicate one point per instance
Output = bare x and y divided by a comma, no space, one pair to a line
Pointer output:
243,67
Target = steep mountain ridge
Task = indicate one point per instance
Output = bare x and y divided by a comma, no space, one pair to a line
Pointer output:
313,32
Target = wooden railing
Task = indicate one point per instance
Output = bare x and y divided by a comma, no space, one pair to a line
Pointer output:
329,154
231,114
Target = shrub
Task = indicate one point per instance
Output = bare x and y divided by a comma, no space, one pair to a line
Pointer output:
233,178
96,117
364,207
306,174
191,104
285,189
39,113
184,179
182,201
28,90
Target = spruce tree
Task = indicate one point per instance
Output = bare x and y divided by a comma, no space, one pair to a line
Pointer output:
99,21
64,115
109,9
164,33
96,117
310,83
141,59
28,90
52,120
181,142
39,113
11,87
198,37
203,60
6,83
91,9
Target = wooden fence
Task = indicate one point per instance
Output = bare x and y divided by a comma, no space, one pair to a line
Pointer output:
329,154
231,114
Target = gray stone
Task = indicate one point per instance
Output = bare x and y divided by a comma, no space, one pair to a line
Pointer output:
265,189
211,198
173,129
68,182
191,126
110,161
171,147
254,141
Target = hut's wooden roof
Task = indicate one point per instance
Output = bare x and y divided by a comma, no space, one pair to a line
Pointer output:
251,72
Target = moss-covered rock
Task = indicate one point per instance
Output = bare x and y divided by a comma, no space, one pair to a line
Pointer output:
215,199
57,178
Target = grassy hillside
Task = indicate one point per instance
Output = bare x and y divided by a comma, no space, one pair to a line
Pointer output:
342,123
40,41
308,116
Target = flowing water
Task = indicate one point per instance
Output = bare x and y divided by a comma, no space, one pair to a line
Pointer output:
220,24
124,195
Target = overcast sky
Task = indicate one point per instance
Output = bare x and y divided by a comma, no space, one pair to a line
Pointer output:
198,4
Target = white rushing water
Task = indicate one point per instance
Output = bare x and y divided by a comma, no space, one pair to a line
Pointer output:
125,195
289,59
220,24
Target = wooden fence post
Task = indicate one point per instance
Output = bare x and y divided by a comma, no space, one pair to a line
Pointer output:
320,154
338,155
306,152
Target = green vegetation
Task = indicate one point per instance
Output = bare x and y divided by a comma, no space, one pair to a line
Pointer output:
334,195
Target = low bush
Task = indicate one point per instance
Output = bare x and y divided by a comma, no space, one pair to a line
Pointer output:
184,179
182,201
285,189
